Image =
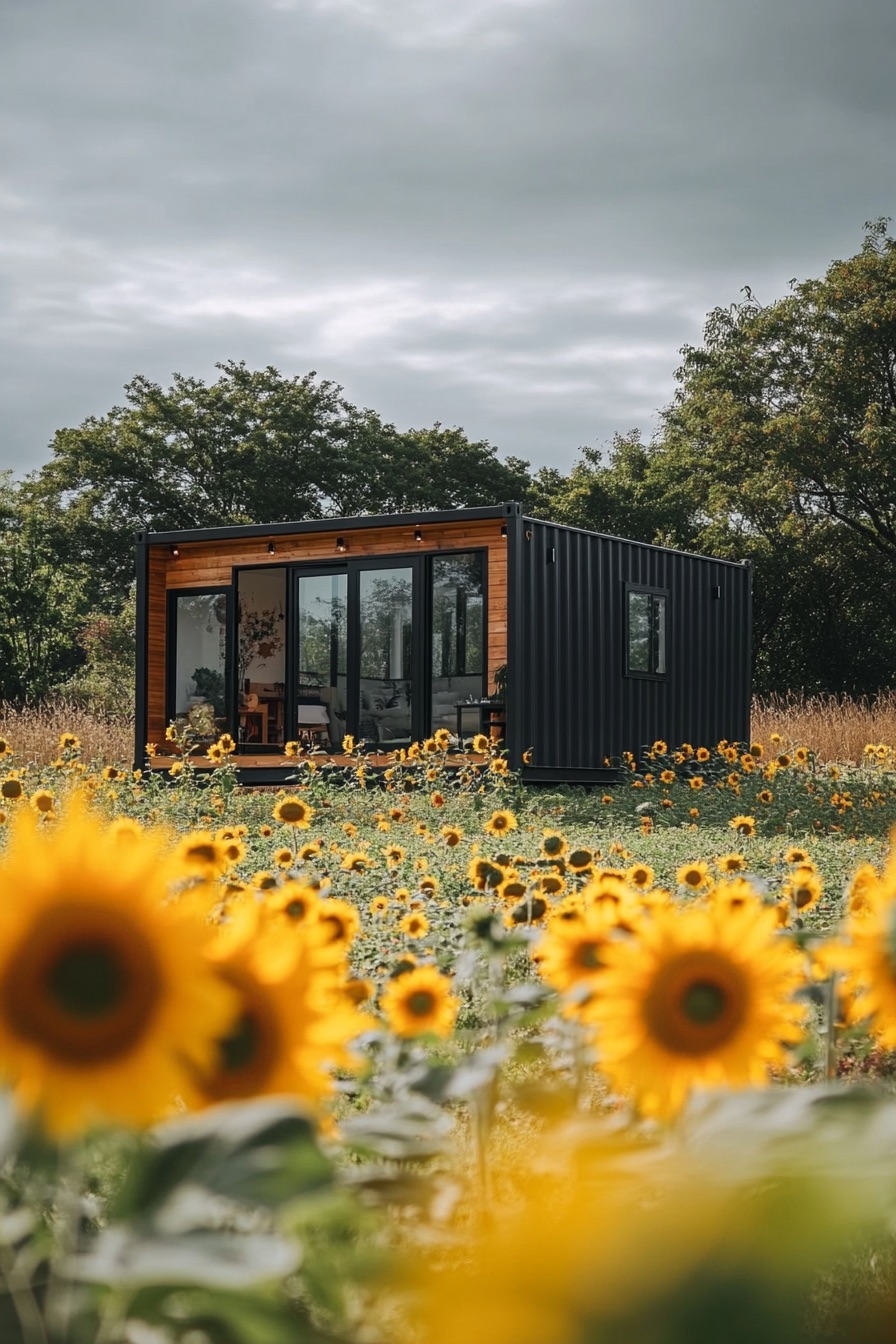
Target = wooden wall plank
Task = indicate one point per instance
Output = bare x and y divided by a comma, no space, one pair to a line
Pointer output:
202,564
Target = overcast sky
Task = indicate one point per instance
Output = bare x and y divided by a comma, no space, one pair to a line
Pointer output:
506,215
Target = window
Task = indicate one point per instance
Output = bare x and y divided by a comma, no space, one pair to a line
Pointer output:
646,633
197,633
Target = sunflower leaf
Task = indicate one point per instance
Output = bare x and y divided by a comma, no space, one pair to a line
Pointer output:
260,1152
215,1259
218,1315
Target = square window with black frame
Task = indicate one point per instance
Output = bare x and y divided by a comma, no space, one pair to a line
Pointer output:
646,633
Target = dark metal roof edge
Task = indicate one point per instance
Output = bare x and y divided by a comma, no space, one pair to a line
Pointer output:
238,530
648,545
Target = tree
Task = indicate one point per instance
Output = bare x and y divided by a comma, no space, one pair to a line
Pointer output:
783,434
252,447
42,602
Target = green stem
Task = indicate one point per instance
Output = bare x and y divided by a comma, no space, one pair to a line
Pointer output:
830,1054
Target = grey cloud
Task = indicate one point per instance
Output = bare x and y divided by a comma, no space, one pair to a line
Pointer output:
506,214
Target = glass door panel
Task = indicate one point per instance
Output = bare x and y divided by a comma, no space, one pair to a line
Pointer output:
385,655
197,675
261,657
322,651
458,637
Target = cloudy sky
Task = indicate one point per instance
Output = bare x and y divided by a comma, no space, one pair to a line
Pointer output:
501,214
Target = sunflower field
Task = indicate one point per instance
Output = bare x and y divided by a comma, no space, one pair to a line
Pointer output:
423,1056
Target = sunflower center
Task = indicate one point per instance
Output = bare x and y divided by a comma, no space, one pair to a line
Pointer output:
421,1002
295,909
703,1002
588,956
86,981
83,987
239,1048
248,1055
697,1003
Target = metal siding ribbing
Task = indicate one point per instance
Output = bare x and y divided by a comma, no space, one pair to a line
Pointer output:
579,705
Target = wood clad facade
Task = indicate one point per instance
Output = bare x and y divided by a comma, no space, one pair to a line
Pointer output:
194,563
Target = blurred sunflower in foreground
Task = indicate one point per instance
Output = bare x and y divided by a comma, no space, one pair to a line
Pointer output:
673,1251
107,995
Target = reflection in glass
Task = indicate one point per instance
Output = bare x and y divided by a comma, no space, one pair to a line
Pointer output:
385,655
261,655
200,653
639,632
458,642
321,678
647,633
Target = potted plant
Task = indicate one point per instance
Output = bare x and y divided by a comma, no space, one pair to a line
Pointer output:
210,685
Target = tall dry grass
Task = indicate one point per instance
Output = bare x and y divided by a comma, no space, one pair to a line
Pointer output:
34,732
837,728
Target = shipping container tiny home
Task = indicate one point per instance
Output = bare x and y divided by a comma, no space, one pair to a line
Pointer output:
391,627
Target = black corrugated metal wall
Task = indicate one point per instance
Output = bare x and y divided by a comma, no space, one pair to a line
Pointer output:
567,666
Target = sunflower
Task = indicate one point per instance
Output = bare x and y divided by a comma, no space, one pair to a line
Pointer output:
730,863
283,857
484,874
571,953
803,887
106,993
290,749
499,823
452,835
552,884
437,799
796,855
348,744
12,789
640,875
293,901
43,803
265,831
745,826
294,1020
67,742
200,855
765,796
395,855
499,765
429,884
667,776
111,772
700,998
227,744
339,920
701,753
579,860
415,925
379,905
293,811
554,845
480,744
357,863
234,851
215,753
420,1002
309,851
696,783
442,739
693,875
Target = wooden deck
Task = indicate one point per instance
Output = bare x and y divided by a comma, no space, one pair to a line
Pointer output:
273,761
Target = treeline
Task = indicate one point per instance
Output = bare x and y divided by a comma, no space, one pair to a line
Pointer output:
779,446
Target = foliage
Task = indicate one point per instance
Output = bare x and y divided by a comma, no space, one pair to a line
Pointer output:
42,602
254,446
105,684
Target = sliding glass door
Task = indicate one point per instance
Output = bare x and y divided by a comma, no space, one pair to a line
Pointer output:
384,701
321,658
384,649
